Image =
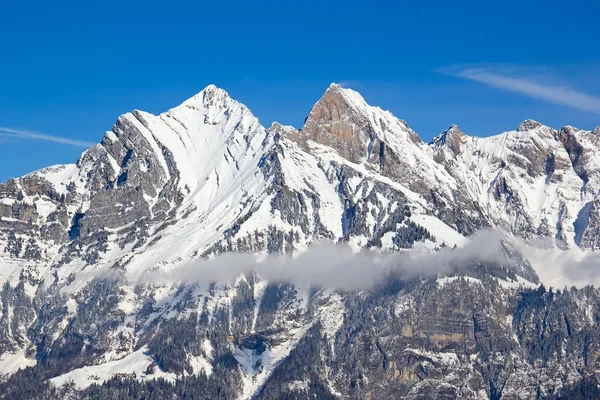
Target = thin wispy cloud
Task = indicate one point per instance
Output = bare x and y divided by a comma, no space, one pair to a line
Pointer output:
528,86
24,134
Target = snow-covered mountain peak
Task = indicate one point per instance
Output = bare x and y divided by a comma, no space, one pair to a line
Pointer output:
530,130
355,101
334,86
528,125
351,96
342,120
453,129
210,95
283,130
338,120
188,143
570,129
452,137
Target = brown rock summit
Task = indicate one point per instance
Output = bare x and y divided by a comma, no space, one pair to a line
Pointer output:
335,120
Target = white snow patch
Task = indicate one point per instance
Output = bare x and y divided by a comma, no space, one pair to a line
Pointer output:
12,362
331,316
518,283
448,279
134,363
441,231
440,358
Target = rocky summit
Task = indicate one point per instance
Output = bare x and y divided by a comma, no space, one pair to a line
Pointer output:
112,268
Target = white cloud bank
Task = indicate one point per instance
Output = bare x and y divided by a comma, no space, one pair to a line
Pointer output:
335,266
24,134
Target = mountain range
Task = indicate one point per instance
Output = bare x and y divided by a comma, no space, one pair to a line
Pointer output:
107,289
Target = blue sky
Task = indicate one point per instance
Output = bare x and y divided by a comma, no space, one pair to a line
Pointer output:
69,69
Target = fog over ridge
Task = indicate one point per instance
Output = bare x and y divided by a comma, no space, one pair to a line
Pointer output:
336,265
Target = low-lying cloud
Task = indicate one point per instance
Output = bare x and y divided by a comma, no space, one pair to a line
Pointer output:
559,268
25,134
336,266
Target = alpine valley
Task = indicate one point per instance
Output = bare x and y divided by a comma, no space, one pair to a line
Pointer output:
81,317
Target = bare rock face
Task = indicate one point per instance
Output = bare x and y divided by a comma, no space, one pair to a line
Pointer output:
335,122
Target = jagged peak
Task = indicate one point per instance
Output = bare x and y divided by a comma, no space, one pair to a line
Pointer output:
343,120
275,125
568,129
451,137
283,130
574,130
528,125
278,125
340,119
334,86
351,97
335,104
571,127
214,91
209,96
453,130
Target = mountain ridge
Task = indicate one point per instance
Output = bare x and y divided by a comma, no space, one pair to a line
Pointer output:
205,178
164,171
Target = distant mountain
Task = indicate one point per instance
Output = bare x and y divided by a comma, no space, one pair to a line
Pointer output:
77,243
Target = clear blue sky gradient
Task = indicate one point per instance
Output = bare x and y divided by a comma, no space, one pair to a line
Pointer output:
71,68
